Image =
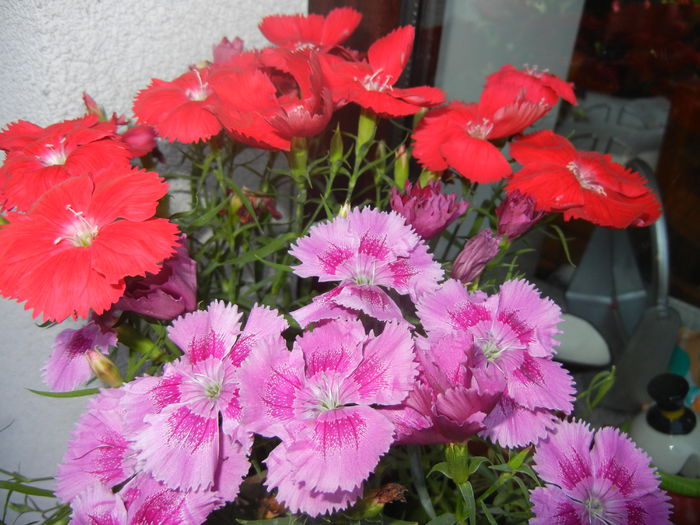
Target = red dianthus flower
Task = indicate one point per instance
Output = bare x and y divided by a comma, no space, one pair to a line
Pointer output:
70,253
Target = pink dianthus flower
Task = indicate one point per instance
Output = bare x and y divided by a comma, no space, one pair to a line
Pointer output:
597,478
366,251
320,400
513,333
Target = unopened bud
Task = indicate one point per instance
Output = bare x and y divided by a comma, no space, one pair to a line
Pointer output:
401,166
344,209
92,107
336,149
104,368
472,260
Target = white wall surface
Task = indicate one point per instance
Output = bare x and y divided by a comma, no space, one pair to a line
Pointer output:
50,52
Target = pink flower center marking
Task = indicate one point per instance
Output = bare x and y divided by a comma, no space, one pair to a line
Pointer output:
81,232
585,178
377,82
479,130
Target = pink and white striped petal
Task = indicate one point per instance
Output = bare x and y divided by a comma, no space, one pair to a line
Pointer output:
511,425
98,505
341,449
388,369
180,447
210,332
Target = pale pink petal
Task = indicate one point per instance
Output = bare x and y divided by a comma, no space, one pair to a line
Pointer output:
387,371
270,381
369,299
233,465
322,307
342,448
451,308
295,493
99,451
151,502
541,383
68,366
180,447
460,412
97,505
263,322
209,332
521,300
566,458
511,425
412,419
551,505
332,348
616,458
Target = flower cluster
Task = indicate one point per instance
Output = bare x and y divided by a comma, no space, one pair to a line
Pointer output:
365,345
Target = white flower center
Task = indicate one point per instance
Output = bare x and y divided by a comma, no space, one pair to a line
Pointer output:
479,130
377,82
198,93
54,156
81,232
585,178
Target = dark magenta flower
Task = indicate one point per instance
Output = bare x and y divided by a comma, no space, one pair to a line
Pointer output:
165,295
516,214
426,209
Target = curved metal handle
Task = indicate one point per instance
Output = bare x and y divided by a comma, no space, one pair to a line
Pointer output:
661,263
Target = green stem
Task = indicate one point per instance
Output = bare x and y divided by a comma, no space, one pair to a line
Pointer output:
366,129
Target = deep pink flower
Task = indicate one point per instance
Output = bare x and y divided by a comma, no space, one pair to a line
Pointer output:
167,294
513,332
597,478
446,403
366,251
472,260
426,209
225,50
319,399
516,215
67,367
141,140
581,184
192,409
40,158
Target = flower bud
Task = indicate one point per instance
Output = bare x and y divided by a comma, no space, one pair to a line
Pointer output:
92,107
401,166
227,49
141,140
426,209
104,368
472,260
344,209
516,214
336,149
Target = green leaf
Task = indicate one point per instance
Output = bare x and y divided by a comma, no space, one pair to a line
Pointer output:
517,460
280,267
442,468
443,519
74,393
489,517
25,489
564,243
287,520
392,521
468,496
475,463
274,245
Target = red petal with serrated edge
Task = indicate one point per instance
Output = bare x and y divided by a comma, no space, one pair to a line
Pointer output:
18,135
424,96
126,194
390,53
476,159
339,25
543,146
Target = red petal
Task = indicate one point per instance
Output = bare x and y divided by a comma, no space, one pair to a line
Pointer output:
19,134
476,159
125,194
391,52
543,146
339,25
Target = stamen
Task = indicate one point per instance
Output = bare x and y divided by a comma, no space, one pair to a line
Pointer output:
81,232
198,94
479,130
374,83
585,178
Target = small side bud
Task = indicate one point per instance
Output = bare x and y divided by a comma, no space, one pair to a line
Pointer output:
472,260
401,166
335,153
104,368
344,209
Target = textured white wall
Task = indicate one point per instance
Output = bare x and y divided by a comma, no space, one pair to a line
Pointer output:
50,52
